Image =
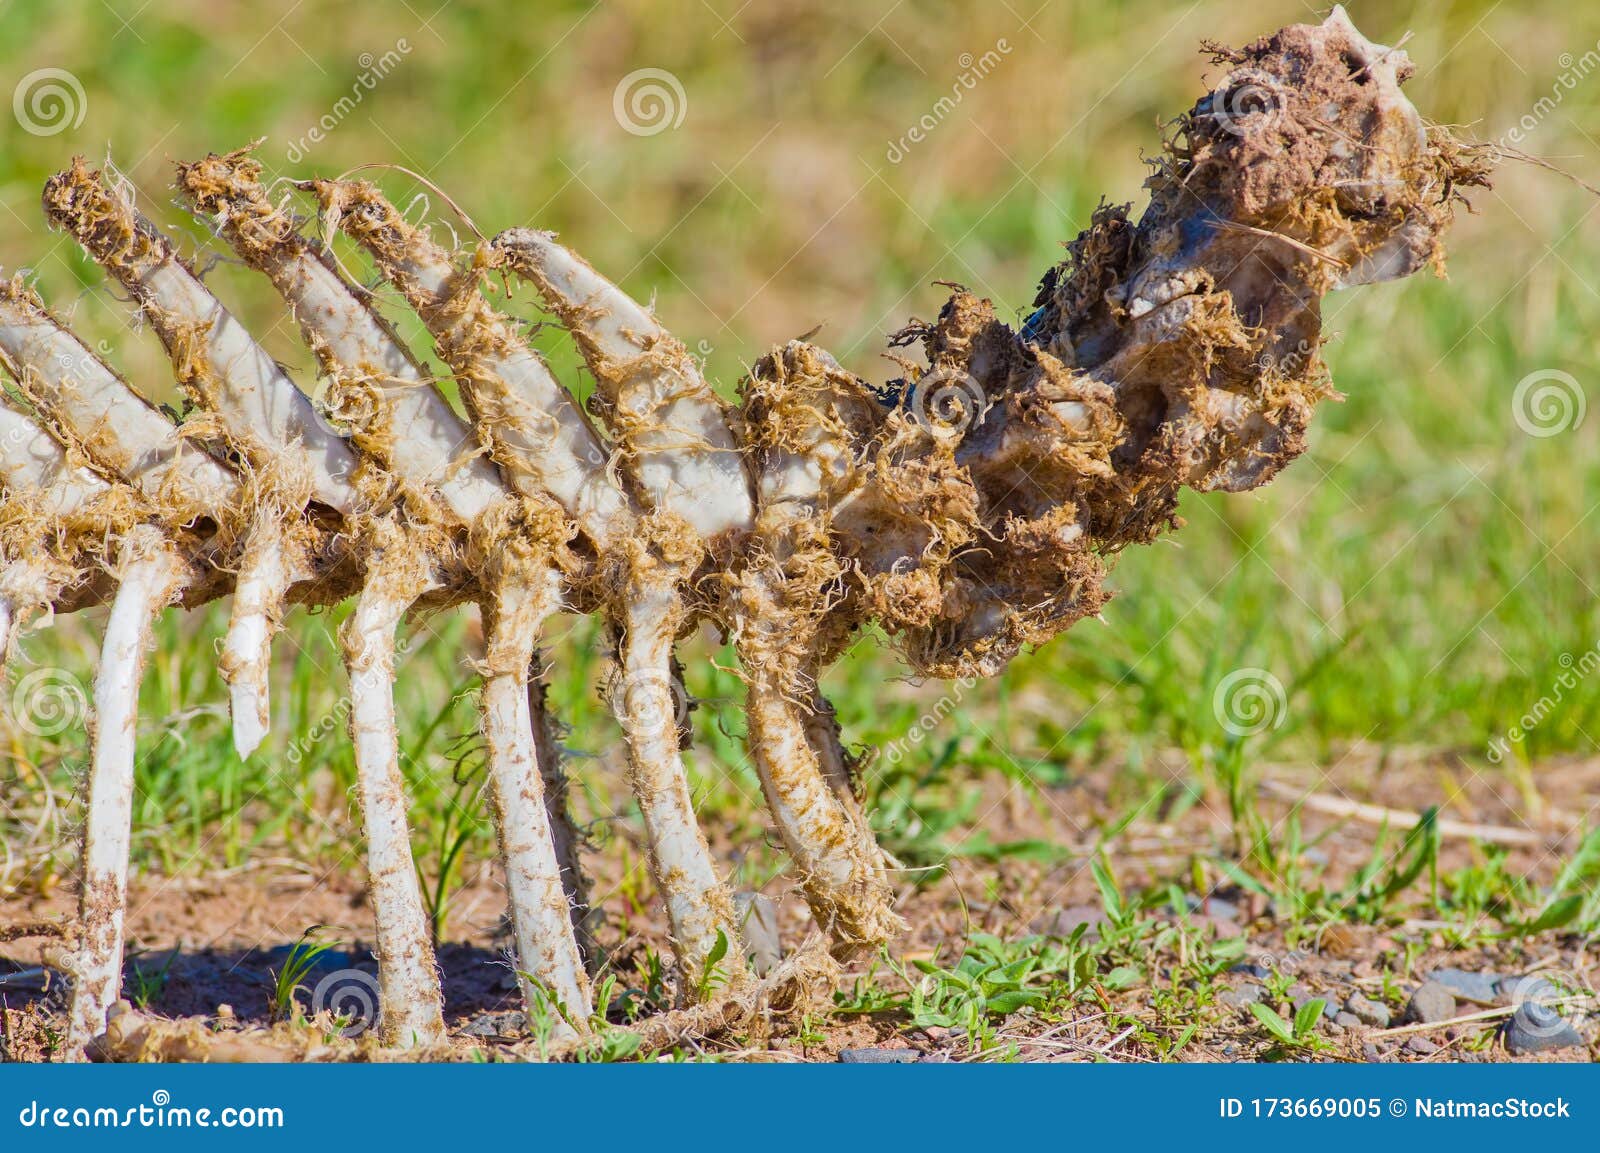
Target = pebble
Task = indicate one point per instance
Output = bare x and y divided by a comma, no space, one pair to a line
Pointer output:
1348,1021
511,1023
879,1056
1249,969
1300,997
1370,1051
1422,1046
1240,996
1430,1004
1481,988
1219,910
1536,1028
1338,941
1062,922
1368,1011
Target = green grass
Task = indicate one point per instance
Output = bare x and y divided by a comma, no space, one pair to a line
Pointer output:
1422,578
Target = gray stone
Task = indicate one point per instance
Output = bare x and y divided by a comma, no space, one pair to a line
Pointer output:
1241,995
511,1023
1216,908
1480,988
1300,997
1370,1051
1422,1047
758,924
1430,1004
1062,922
1367,1011
1249,969
879,1056
1539,1028
1348,1021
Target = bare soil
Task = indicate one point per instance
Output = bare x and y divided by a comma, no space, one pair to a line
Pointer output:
219,939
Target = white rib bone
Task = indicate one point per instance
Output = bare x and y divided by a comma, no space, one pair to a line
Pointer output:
270,564
266,417
547,448
408,980
547,944
126,435
537,434
675,439
667,418
34,468
150,572
30,461
414,433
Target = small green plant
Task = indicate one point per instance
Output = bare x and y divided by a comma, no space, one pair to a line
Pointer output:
1299,1033
713,976
147,985
297,966
459,822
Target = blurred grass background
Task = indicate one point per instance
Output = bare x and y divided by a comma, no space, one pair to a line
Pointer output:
1419,579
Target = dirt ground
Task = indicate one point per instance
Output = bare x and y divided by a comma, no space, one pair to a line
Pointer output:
210,946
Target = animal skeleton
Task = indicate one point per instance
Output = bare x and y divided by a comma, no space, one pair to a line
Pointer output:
969,508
